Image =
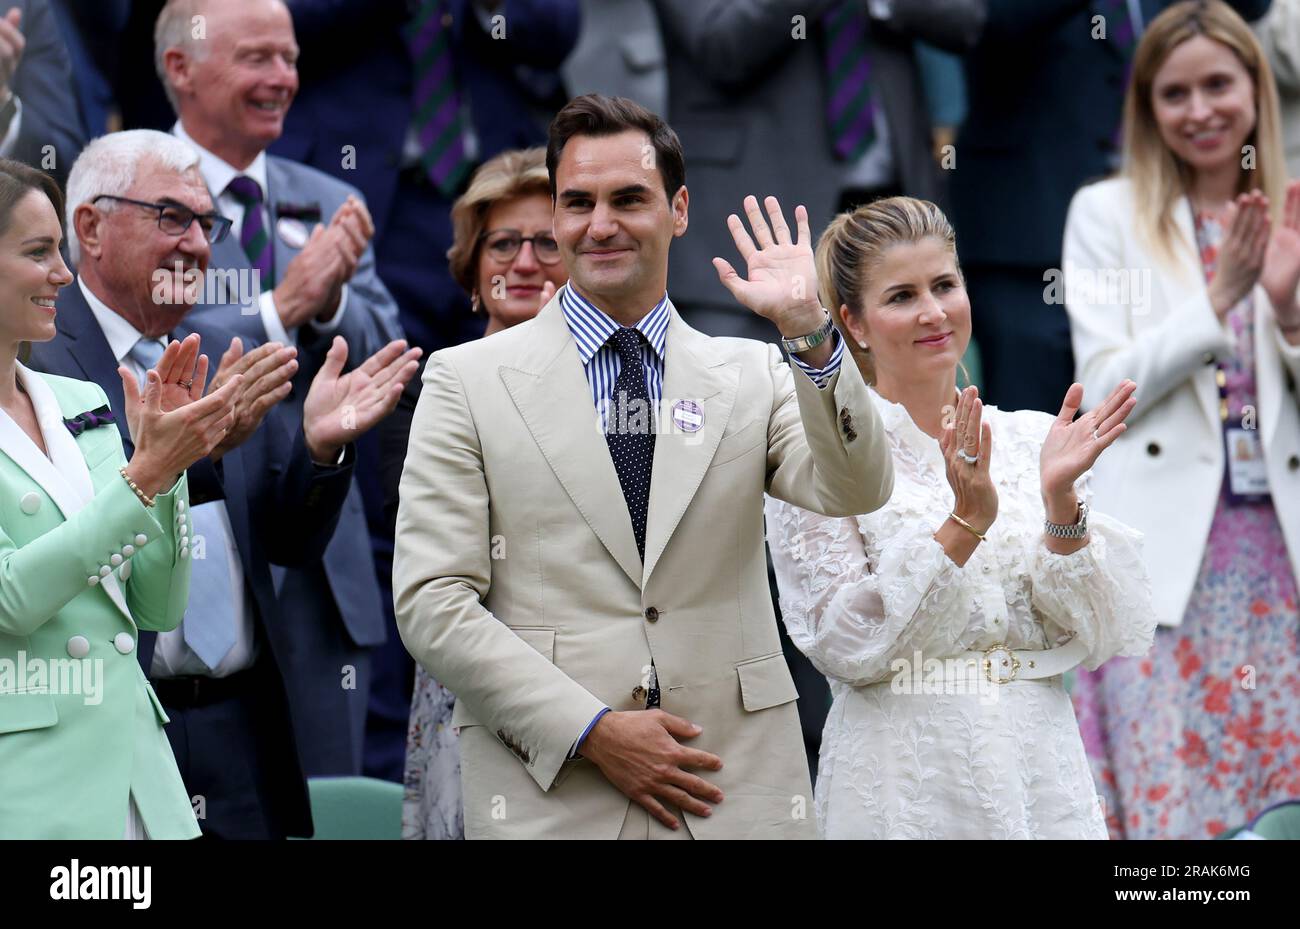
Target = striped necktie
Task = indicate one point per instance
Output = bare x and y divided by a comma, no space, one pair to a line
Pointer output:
439,122
850,104
253,234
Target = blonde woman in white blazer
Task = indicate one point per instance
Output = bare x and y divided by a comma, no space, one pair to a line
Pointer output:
1181,274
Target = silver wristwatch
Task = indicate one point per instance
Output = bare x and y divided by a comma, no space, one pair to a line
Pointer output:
1076,531
812,339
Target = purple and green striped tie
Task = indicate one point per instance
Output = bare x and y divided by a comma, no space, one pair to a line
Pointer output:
439,123
253,235
850,105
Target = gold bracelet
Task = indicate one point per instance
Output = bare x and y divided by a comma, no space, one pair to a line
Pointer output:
965,525
146,500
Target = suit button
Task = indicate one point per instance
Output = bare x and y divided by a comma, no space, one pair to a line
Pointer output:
651,615
115,560
180,506
92,580
1293,463
140,539
185,551
78,646
1153,449
105,570
128,551
30,503
123,642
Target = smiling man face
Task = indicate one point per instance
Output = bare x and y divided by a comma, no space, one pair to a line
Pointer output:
232,86
614,221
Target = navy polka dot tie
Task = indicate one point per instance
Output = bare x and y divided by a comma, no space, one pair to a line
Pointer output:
630,431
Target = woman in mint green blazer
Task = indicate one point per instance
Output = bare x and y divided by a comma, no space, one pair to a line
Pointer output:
92,549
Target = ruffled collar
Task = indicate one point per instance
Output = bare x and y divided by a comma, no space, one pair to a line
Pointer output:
907,434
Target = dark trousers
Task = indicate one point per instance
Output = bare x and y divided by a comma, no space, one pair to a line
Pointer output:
223,747
1024,343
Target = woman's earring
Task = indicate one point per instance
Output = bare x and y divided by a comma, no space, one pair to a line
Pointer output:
475,304
863,345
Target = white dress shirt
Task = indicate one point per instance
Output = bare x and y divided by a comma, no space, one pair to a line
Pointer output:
171,656
218,174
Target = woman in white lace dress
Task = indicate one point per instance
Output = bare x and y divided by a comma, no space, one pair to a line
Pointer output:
985,566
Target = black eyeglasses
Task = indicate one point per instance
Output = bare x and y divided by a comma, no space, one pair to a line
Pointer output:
174,219
504,245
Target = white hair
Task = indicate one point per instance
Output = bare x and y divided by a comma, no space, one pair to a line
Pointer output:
175,29
108,165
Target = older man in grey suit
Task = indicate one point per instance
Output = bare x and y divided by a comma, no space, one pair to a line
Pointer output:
307,236
817,101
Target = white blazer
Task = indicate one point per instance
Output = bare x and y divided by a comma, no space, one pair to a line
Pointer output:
1163,475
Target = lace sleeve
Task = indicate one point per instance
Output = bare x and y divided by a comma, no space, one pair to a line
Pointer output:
1101,593
850,617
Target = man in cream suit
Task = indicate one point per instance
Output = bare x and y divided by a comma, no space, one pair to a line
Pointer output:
594,593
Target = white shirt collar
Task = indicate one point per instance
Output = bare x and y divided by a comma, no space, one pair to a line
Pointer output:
218,174
121,335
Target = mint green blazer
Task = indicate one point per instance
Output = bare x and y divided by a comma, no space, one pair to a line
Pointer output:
84,566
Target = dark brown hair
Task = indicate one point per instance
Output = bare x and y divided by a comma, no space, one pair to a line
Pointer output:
598,115
16,181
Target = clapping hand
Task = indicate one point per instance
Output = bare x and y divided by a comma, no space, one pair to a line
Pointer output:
1241,256
967,446
1281,275
340,407
268,372
12,44
173,424
313,281
782,279
1073,445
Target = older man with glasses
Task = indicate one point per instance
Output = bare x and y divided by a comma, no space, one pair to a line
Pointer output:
141,226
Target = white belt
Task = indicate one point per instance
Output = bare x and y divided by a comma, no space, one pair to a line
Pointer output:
1003,665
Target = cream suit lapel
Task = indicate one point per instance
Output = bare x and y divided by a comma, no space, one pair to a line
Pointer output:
681,458
550,391
64,475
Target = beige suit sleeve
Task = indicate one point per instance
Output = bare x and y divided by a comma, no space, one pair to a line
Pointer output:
442,570
826,448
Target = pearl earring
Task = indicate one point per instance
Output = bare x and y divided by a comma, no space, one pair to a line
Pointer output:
863,345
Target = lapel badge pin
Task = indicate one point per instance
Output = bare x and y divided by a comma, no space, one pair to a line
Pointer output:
688,416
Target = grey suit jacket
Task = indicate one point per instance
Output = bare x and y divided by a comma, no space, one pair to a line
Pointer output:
369,322
746,96
619,53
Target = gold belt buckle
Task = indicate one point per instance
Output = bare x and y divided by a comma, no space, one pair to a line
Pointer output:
1010,661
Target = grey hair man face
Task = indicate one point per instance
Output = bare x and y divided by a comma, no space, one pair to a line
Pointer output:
230,70
147,276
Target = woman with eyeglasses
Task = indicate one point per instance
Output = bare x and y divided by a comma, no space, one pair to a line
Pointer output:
504,254
89,555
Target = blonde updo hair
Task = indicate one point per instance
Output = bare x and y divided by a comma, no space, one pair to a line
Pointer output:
508,176
851,247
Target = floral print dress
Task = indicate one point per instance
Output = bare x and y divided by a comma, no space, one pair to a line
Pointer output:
1204,733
